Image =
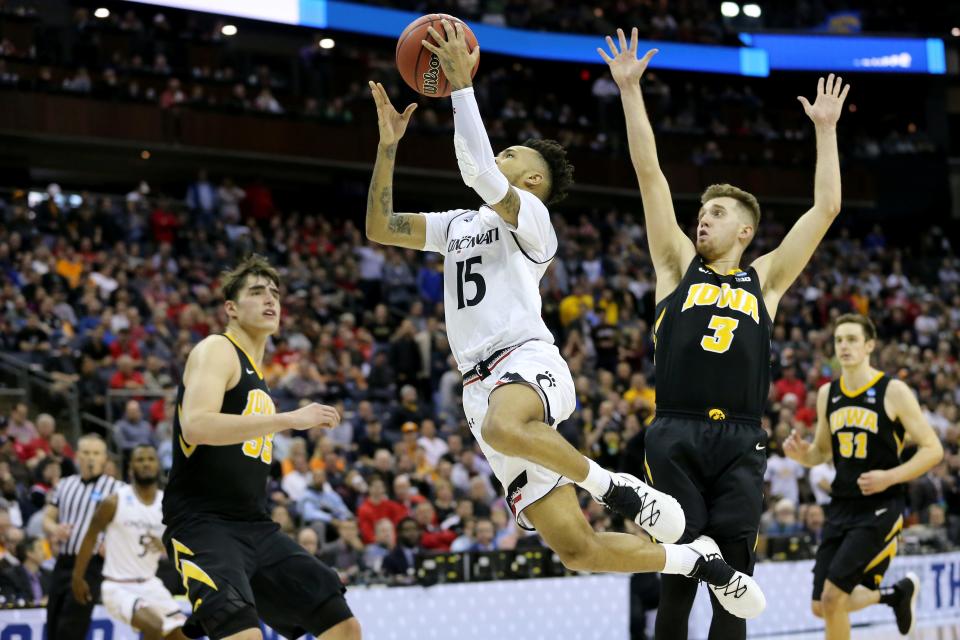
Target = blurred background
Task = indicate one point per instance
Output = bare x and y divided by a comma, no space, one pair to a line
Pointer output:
144,148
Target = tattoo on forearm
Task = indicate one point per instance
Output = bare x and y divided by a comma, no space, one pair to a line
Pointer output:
390,152
386,201
399,225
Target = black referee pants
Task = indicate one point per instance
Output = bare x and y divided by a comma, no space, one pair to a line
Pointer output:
67,619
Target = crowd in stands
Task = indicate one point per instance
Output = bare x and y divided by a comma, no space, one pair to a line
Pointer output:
111,294
180,61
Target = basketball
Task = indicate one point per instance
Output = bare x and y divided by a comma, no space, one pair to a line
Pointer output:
420,68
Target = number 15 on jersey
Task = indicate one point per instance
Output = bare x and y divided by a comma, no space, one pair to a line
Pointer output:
465,275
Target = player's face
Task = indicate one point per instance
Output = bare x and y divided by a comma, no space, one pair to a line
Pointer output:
720,226
258,305
145,465
518,163
851,345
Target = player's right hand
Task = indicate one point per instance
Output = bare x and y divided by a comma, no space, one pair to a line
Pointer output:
392,124
316,415
625,68
81,590
796,447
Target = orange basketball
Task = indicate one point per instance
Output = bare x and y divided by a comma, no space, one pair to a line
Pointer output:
420,68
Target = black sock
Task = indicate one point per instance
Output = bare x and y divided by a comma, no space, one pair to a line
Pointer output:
889,596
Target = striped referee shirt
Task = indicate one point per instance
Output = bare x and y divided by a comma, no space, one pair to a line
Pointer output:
76,501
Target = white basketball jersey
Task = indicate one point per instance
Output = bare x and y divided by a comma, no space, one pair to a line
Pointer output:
491,276
125,542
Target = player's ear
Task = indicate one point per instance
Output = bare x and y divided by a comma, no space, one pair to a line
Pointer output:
533,179
231,308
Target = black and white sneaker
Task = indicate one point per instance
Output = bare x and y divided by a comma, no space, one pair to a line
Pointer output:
655,512
906,607
737,592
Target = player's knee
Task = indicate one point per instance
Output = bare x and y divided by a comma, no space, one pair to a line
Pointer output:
832,601
502,434
816,608
578,554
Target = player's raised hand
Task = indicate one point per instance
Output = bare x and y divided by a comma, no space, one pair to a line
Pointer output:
392,123
796,447
316,415
451,50
625,67
876,481
828,105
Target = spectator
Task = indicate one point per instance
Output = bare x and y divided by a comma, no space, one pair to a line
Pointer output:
321,503
484,537
784,519
376,507
345,554
297,475
433,446
132,430
385,539
19,426
126,376
402,560
821,480
39,447
28,580
308,539
784,476
813,520
432,538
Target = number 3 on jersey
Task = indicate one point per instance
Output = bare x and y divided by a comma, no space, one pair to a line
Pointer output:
723,328
464,276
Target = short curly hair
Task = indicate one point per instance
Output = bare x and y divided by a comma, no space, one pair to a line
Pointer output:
561,171
232,281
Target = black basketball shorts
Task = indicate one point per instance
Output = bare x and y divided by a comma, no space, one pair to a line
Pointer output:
714,468
238,573
859,540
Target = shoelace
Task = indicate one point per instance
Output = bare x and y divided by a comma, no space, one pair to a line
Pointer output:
650,505
734,587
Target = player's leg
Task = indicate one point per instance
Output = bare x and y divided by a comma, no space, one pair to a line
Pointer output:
520,411
832,540
836,616
149,623
677,594
861,597
296,593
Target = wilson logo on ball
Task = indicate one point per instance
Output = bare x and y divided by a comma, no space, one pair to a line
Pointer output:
431,77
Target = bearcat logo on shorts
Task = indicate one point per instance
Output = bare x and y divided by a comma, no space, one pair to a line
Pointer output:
431,77
546,379
515,492
717,414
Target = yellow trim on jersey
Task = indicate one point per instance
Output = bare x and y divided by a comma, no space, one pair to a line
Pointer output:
897,527
656,325
244,351
856,392
732,272
187,449
899,443
646,467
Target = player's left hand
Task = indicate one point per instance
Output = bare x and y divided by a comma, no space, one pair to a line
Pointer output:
828,105
451,50
876,481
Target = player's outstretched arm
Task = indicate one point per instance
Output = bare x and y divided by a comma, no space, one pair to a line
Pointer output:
102,517
478,166
383,225
670,249
900,404
212,368
811,454
779,268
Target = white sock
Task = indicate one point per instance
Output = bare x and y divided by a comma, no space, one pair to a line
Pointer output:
598,480
680,559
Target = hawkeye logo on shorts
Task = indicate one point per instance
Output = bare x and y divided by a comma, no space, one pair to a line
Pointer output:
259,404
704,294
856,417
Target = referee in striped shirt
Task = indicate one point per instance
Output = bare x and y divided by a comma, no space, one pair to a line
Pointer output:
65,521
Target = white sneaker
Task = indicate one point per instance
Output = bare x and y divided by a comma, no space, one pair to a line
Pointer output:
737,592
655,512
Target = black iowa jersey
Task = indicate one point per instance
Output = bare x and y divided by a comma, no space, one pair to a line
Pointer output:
712,338
228,481
862,435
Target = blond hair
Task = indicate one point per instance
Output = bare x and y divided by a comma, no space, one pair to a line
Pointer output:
748,200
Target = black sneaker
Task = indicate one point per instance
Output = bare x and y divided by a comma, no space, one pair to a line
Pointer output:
713,571
906,607
655,512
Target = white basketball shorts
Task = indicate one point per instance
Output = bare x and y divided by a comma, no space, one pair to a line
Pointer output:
540,366
123,599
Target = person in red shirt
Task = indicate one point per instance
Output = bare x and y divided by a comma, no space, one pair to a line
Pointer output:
377,506
124,345
433,537
39,447
164,224
790,383
126,376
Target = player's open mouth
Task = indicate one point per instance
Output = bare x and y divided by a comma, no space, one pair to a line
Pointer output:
270,314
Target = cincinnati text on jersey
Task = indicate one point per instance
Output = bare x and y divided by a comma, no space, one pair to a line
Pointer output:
704,294
467,242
